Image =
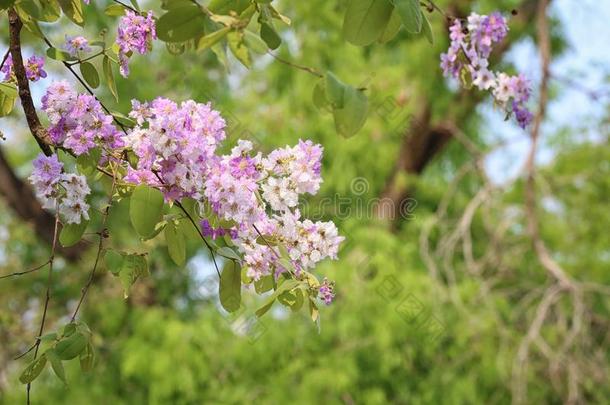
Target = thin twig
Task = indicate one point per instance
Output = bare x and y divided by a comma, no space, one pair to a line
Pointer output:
47,296
294,65
20,273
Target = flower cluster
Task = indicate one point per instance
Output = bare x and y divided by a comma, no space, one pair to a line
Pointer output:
136,33
63,191
34,68
78,121
74,45
248,198
468,53
326,291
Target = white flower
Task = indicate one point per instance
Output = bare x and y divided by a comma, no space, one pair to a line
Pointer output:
503,90
484,79
280,194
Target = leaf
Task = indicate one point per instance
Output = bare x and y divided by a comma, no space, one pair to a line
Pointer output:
145,209
73,9
427,29
114,10
33,370
9,89
350,119
72,233
270,35
176,245
209,40
60,55
6,104
228,253
71,346
230,288
181,23
113,261
263,284
365,20
87,358
238,48
134,266
411,15
226,6
57,365
285,286
319,96
90,74
255,43
335,90
392,28
110,77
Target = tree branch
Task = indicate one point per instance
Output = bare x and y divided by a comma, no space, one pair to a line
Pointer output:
38,131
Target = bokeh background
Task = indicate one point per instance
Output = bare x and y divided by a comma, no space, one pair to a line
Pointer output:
435,298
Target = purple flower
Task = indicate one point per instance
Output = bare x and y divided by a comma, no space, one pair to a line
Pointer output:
326,291
76,44
7,68
523,115
34,68
135,34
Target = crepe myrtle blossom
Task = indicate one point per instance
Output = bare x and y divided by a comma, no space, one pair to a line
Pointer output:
326,291
135,34
246,194
33,68
472,42
78,121
76,44
63,191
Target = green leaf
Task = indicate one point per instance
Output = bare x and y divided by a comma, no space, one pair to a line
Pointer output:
230,288
365,20
9,89
145,209
181,23
427,29
72,233
46,11
110,77
71,346
335,90
263,284
6,104
238,48
57,365
59,55
113,261
255,43
114,10
176,245
226,6
319,96
33,370
6,4
411,15
73,9
392,28
209,40
90,74
350,119
285,286
270,35
228,253
134,266
87,358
